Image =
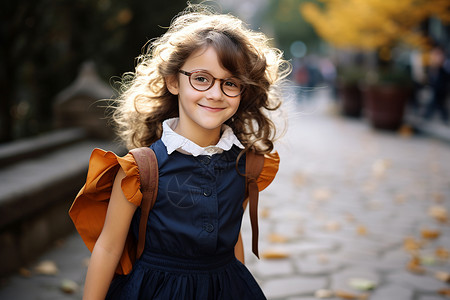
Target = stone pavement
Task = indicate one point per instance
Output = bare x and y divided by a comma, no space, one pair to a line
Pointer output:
349,210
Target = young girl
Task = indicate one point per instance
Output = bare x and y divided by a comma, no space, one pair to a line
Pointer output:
199,98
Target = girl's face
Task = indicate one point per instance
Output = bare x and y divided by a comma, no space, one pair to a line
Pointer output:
202,112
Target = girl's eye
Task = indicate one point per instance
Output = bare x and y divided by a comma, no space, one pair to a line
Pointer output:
202,78
230,83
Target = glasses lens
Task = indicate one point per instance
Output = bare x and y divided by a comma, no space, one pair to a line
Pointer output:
201,80
232,87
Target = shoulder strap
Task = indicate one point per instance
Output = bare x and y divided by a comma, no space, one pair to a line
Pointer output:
253,166
148,173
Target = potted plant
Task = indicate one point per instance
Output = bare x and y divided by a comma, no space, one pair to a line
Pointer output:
386,93
349,92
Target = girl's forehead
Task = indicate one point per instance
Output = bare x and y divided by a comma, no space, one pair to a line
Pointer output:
207,59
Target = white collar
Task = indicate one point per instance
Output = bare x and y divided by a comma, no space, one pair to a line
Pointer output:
173,141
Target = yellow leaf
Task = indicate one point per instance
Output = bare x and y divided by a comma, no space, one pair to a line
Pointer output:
361,230
442,276
277,238
412,245
442,253
47,267
430,234
439,213
414,266
274,254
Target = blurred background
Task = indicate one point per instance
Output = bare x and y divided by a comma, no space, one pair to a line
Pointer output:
342,44
369,86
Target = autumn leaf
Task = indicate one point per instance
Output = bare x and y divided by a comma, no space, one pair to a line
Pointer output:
350,296
69,286
444,292
442,253
442,276
322,194
439,213
362,284
430,234
414,266
361,230
277,238
46,267
323,293
274,254
412,245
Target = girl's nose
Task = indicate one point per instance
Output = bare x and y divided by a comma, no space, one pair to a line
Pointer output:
215,92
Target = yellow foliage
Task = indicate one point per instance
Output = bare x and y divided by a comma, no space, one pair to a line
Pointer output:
373,24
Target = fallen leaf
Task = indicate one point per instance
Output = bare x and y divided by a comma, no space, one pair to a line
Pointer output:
299,179
350,296
277,238
332,226
321,194
69,286
442,253
274,254
444,292
380,167
427,260
361,230
350,218
323,294
442,276
439,213
46,267
264,213
414,266
400,199
430,234
406,131
412,245
362,284
323,259
24,272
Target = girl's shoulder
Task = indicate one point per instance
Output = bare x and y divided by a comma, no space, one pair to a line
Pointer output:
270,169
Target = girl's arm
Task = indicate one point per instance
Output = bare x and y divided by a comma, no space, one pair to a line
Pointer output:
109,246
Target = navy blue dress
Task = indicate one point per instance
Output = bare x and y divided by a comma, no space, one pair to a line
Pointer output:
191,233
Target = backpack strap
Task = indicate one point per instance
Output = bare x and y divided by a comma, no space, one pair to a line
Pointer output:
253,166
148,173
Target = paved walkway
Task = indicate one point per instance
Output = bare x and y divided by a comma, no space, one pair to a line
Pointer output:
350,209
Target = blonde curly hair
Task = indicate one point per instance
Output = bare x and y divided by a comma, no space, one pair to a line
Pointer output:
145,101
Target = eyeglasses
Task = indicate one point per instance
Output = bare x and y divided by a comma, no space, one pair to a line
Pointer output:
203,81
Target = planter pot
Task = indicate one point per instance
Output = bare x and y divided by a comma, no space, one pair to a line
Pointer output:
351,100
385,105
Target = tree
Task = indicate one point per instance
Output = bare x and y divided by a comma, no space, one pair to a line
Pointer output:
44,42
374,24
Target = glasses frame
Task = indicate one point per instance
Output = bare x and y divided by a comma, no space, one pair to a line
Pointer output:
222,81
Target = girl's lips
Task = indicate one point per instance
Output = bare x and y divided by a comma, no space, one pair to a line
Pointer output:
212,109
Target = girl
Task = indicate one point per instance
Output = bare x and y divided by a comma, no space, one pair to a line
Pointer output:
199,99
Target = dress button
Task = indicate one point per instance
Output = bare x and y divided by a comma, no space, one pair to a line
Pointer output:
208,227
206,192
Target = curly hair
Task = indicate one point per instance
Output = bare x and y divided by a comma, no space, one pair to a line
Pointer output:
145,101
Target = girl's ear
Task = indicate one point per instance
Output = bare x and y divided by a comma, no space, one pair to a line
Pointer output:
172,84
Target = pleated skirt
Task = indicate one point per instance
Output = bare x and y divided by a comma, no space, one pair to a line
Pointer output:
161,277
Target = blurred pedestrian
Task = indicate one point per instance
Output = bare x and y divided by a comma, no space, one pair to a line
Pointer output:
198,99
439,80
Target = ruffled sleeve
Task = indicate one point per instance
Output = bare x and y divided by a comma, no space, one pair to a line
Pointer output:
270,169
88,211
